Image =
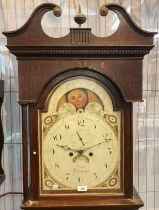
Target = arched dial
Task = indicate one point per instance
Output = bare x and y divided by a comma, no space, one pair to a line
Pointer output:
80,138
80,150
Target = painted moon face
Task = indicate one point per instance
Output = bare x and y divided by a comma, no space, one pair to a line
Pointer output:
78,98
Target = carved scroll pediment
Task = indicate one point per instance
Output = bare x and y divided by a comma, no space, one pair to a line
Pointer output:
128,39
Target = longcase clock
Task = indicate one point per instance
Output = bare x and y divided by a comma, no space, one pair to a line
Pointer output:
76,94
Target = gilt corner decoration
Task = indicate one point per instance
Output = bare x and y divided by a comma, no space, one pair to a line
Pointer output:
77,94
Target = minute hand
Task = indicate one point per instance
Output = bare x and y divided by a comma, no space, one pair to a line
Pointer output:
95,145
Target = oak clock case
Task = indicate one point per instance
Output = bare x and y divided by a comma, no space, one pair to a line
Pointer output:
77,94
80,138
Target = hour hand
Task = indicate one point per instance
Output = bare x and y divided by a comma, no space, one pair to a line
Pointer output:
65,147
80,138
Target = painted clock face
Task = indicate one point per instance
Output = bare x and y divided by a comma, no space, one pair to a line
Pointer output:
80,138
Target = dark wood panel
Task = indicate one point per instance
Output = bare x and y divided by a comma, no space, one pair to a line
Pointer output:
2,175
126,74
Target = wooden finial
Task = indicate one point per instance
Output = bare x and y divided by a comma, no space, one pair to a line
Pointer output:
103,11
80,18
79,9
57,11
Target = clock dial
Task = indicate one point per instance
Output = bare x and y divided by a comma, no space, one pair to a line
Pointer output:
80,138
